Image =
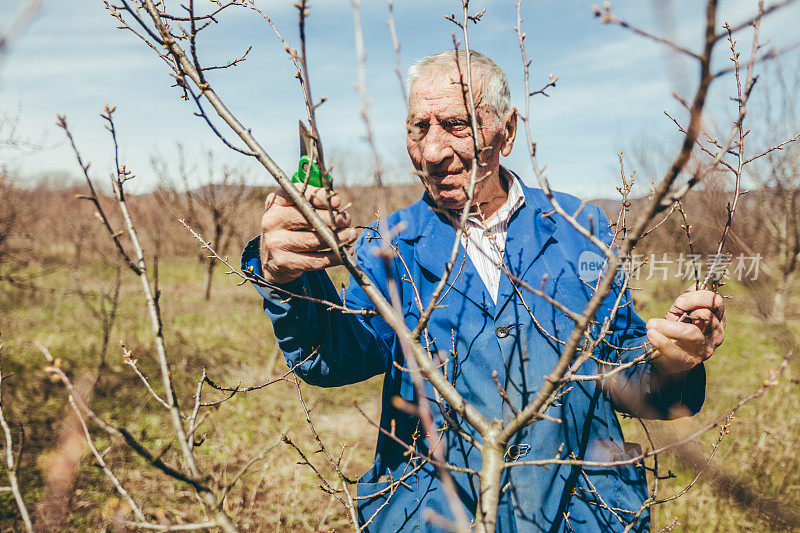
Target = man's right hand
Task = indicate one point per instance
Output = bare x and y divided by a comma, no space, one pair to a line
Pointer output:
290,245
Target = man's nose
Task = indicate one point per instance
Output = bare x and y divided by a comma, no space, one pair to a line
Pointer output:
435,146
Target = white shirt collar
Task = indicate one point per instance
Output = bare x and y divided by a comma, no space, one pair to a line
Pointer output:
515,200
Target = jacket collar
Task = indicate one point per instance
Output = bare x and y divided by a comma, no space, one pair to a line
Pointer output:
528,232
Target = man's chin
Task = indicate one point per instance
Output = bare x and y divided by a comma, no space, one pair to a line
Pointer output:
450,199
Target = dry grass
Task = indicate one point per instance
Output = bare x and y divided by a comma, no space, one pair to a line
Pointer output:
753,483
232,339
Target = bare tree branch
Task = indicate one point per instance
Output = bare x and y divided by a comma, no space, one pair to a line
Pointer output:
12,464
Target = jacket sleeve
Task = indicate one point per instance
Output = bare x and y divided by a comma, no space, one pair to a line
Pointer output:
640,390
331,347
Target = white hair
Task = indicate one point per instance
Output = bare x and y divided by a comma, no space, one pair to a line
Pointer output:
495,93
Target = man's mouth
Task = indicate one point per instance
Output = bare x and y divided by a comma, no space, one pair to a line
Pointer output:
446,180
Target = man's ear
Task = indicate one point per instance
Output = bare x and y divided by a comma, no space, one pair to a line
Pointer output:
510,131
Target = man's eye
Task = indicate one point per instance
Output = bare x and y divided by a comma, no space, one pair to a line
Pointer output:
458,127
417,129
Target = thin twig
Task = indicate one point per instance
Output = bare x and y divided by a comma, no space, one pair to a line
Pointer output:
243,471
101,462
11,464
176,527
128,359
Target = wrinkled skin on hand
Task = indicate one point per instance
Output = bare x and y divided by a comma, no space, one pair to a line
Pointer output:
290,245
684,343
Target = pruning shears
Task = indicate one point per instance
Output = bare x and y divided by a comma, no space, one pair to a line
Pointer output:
307,169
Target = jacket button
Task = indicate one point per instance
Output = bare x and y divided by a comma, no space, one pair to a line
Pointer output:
501,332
513,452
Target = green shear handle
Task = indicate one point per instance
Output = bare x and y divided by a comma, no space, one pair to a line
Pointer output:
306,168
315,180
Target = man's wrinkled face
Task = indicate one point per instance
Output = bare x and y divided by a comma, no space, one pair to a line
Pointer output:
440,142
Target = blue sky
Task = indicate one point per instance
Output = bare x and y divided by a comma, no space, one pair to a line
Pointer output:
613,86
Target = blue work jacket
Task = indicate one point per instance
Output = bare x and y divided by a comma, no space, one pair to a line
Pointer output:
519,337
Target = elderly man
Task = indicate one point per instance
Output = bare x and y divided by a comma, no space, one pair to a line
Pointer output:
485,323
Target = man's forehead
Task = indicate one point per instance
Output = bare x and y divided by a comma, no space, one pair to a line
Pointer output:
441,91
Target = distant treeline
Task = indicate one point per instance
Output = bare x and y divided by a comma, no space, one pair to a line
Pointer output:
54,218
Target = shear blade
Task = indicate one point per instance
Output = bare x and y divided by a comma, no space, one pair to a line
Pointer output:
306,140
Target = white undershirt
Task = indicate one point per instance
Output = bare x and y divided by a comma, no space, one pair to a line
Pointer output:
485,241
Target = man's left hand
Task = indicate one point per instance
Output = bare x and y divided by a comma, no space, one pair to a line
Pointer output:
692,329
